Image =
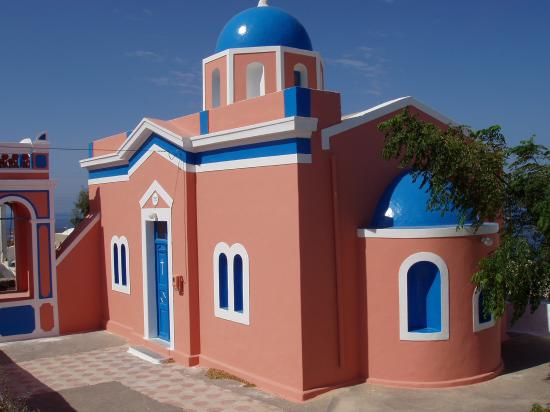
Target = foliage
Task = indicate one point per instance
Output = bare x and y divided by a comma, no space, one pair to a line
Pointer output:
81,207
476,174
538,408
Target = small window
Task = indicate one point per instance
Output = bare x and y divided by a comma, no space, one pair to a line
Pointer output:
423,298
300,76
231,283
481,319
255,80
216,88
120,262
238,283
223,279
123,264
116,264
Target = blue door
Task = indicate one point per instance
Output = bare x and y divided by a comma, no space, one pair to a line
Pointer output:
162,281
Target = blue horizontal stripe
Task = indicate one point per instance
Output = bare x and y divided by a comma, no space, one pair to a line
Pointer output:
277,148
267,149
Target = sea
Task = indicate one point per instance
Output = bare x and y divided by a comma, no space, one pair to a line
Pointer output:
62,222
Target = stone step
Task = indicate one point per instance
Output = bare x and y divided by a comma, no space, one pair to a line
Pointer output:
148,355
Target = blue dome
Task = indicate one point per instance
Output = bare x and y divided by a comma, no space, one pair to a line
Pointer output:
404,204
263,26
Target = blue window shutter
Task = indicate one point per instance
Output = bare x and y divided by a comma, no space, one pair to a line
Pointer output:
115,264
238,283
424,298
123,264
223,282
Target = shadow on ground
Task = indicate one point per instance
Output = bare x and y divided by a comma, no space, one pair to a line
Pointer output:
18,383
524,352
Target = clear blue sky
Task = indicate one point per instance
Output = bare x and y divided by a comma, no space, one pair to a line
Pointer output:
88,69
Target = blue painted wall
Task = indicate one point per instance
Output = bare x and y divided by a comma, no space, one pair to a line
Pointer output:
18,320
424,298
297,102
276,148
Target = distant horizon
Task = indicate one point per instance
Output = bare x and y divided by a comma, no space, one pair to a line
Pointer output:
98,68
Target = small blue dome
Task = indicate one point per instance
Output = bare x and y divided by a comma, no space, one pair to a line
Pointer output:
405,204
263,26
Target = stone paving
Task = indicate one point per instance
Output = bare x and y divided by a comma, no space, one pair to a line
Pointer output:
169,383
93,372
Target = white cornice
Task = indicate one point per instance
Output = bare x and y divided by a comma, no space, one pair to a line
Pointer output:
260,49
428,232
257,133
357,119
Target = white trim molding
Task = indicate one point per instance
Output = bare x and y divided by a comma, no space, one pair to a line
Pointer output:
404,333
429,232
148,217
479,326
158,189
280,129
120,287
230,313
357,119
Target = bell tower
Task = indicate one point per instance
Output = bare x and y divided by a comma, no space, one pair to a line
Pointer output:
261,50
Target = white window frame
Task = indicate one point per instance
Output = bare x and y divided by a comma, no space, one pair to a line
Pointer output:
119,287
229,313
478,327
304,77
255,78
404,333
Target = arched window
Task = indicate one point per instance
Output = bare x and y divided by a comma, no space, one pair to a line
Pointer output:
120,264
216,88
255,80
223,281
424,298
481,319
231,283
301,76
238,283
116,264
123,264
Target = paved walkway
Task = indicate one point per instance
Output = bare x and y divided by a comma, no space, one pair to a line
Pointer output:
169,384
93,372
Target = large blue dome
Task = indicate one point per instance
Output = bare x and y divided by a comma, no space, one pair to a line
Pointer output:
263,26
404,204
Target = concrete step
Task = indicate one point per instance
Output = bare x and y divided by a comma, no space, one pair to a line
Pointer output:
148,355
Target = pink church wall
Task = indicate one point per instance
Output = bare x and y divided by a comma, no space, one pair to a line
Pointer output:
108,145
80,286
257,208
125,313
240,64
291,60
221,65
466,357
248,112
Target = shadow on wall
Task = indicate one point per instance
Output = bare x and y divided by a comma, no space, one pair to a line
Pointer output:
524,352
17,383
